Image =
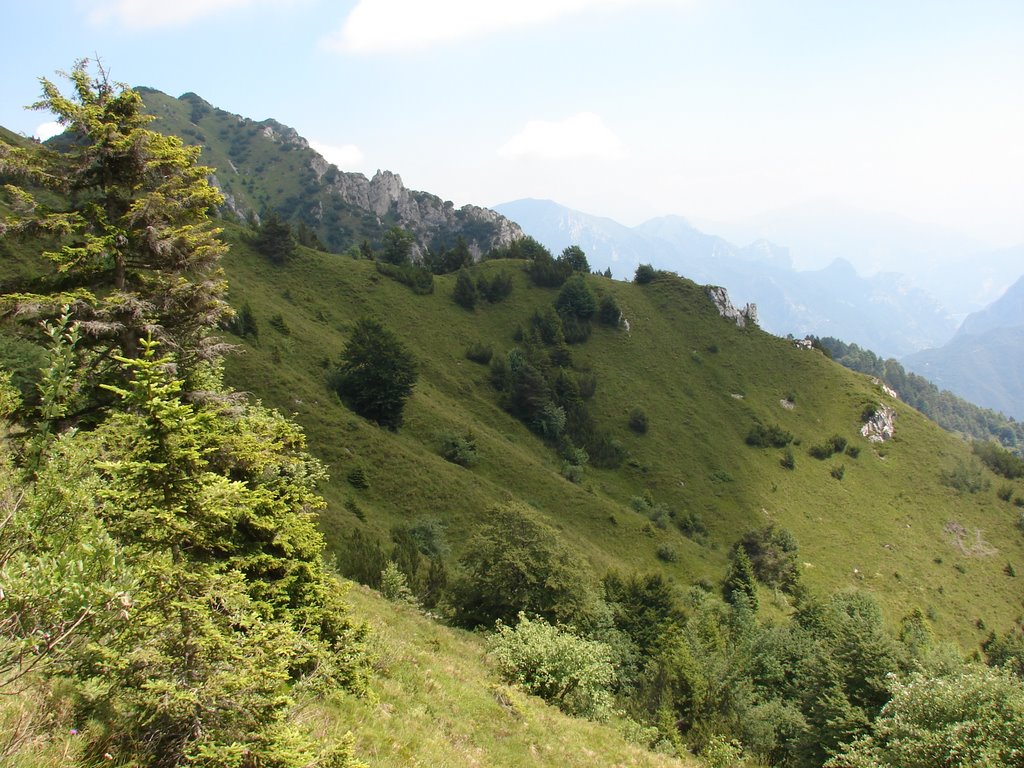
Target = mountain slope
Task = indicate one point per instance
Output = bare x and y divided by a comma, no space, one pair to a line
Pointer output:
262,166
883,312
885,525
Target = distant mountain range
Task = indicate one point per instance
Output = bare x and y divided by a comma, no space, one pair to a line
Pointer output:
884,312
961,273
984,362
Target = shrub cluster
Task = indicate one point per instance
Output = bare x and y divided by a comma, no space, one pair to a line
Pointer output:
539,387
998,459
419,279
835,444
479,353
459,449
965,477
638,420
571,672
645,273
770,436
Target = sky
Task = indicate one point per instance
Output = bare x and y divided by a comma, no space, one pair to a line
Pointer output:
716,110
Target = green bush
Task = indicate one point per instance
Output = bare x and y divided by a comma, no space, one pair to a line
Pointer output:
376,374
496,289
771,436
965,477
1005,492
573,673
576,299
638,420
419,279
459,449
575,330
645,273
838,471
574,256
788,461
971,717
545,272
394,586
465,292
277,322
822,451
773,556
691,525
998,459
667,553
357,478
514,562
479,353
608,312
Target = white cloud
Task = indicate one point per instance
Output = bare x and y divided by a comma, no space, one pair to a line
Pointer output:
582,135
376,26
48,130
347,156
139,14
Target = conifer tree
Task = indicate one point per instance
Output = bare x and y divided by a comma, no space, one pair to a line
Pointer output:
741,584
376,375
465,293
130,238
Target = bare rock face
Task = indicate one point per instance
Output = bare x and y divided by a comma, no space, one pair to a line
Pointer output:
720,298
881,426
421,213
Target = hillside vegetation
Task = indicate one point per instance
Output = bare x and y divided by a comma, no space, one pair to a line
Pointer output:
662,523
703,384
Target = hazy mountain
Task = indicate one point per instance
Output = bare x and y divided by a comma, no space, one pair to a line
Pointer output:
1005,312
884,312
984,362
961,273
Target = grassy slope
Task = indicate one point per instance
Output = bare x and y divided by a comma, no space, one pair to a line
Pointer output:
437,703
882,527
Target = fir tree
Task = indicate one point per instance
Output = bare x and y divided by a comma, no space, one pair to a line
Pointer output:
133,242
465,292
741,584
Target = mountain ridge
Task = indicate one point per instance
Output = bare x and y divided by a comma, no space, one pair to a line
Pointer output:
337,207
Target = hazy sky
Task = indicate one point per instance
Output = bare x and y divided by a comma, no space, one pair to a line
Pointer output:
712,109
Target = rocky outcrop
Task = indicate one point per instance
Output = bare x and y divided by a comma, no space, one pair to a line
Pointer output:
421,213
230,203
881,426
720,298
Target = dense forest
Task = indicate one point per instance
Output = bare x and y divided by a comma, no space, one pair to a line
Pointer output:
169,599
